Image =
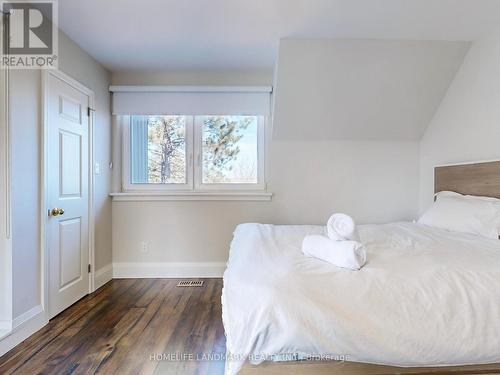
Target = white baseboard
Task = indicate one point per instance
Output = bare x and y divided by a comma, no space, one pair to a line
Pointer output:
24,326
168,270
25,317
103,275
5,325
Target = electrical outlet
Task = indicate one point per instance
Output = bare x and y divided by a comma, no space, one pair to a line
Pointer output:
144,247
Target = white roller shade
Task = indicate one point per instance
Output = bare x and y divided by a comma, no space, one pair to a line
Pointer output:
181,100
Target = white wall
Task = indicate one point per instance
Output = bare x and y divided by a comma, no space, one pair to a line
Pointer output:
466,127
375,181
198,77
25,106
361,89
25,112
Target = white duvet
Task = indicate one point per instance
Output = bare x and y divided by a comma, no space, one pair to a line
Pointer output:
425,297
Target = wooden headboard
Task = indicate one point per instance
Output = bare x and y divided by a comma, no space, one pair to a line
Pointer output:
472,179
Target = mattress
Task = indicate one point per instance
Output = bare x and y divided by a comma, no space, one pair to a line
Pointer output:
426,297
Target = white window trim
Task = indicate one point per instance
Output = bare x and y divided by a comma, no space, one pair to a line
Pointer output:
259,196
260,185
193,189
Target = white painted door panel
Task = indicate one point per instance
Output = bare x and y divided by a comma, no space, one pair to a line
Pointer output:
67,189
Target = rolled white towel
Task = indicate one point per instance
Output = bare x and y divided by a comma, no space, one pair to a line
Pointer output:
345,254
341,227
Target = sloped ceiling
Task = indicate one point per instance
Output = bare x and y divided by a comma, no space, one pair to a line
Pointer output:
361,89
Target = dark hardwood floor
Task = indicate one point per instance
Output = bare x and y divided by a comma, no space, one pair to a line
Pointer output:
129,326
151,326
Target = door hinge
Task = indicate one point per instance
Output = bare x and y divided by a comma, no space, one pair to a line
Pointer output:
90,268
90,110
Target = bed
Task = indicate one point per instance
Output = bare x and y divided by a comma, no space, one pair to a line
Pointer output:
427,299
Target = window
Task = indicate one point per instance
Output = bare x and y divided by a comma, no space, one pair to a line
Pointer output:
158,149
193,153
204,140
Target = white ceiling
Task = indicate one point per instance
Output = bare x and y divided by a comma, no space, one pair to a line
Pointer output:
244,34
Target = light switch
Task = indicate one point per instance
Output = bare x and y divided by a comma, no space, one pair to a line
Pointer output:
97,168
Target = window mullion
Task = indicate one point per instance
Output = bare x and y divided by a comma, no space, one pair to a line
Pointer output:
193,153
197,153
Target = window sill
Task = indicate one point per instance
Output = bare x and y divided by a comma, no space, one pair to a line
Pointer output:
191,196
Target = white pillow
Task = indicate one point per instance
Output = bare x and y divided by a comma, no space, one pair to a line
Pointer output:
459,213
495,201
446,193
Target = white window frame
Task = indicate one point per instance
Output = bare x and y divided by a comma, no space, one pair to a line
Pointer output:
128,186
193,169
198,168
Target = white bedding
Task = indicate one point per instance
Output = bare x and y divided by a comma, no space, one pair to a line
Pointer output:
425,297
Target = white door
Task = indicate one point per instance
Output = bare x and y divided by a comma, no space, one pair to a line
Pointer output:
67,193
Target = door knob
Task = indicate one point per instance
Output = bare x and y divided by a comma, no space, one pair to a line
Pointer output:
56,211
